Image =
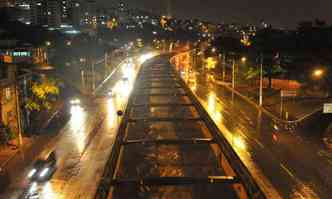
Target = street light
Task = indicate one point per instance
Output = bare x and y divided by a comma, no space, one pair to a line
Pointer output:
261,81
318,73
213,49
243,60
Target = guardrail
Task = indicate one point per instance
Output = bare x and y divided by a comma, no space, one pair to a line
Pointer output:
237,165
251,189
111,164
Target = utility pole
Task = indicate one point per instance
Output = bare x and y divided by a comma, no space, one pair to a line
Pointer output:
224,67
18,112
93,77
261,81
233,74
106,68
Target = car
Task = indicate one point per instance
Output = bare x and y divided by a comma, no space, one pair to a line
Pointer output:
75,101
43,169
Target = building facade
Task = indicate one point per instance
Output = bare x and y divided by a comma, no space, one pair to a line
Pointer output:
53,10
14,91
7,3
17,54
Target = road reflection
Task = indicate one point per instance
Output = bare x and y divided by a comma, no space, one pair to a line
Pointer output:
213,109
256,140
72,146
77,128
49,192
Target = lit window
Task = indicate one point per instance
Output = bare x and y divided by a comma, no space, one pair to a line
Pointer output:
8,93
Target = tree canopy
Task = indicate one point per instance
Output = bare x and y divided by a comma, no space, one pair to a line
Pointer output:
42,94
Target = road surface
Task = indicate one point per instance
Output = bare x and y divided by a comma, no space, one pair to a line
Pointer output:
82,145
288,162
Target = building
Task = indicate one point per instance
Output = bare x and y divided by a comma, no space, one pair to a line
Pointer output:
8,112
65,7
7,3
38,13
14,91
76,13
12,51
46,13
24,11
90,14
53,10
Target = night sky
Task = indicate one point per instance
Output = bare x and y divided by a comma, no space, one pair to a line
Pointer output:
280,13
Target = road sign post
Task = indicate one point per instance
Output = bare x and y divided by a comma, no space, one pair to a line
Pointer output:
285,93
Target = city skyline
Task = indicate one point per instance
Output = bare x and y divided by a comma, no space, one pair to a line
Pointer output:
282,13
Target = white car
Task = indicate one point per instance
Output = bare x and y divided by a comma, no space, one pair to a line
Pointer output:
75,102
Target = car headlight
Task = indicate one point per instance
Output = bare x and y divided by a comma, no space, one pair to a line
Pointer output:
31,173
33,187
44,172
75,101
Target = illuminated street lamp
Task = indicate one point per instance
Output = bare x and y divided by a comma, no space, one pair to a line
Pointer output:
318,73
243,60
261,80
48,43
213,50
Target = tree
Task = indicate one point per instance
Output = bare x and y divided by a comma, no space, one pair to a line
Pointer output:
43,93
228,45
268,43
271,68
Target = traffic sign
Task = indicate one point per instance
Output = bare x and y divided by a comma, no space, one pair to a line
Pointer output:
327,108
288,93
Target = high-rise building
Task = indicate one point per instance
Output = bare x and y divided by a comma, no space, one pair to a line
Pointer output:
24,11
53,13
75,13
66,6
7,3
46,13
92,7
38,12
90,14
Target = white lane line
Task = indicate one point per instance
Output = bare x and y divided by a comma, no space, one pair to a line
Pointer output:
293,177
287,171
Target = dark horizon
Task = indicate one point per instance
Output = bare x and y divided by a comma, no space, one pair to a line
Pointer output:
281,14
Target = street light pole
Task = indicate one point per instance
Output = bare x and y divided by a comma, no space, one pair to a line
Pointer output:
93,77
233,74
18,113
224,67
105,62
261,81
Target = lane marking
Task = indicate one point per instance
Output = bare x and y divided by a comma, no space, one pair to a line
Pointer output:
287,171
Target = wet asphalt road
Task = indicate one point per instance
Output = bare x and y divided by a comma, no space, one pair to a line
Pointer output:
82,145
285,164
